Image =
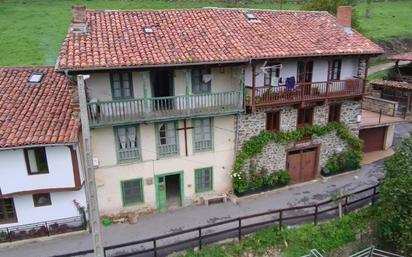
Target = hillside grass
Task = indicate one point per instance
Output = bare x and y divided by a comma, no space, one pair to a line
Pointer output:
31,31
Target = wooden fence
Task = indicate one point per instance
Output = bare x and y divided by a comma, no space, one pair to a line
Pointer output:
238,227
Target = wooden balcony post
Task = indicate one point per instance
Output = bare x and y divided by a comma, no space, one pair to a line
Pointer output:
327,88
253,87
146,100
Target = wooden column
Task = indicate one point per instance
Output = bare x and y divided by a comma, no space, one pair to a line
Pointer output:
253,87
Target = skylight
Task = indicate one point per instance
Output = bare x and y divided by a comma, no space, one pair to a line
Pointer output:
148,30
35,77
250,16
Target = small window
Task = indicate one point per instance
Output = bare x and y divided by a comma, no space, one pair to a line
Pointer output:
127,142
334,113
35,77
272,75
167,139
202,134
334,69
7,211
121,83
305,117
201,81
132,191
272,121
305,70
204,180
42,200
36,160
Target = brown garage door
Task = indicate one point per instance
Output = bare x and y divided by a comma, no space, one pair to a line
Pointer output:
373,138
301,164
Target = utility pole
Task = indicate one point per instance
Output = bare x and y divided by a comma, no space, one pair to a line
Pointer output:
90,185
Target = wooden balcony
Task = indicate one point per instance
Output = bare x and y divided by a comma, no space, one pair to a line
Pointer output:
303,92
116,112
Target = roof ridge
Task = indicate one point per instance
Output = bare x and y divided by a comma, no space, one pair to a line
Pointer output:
42,66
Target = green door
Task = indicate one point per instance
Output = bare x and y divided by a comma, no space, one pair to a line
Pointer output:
161,192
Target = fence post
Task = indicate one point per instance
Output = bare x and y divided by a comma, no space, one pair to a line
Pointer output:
154,247
200,238
346,204
316,215
8,234
280,219
373,195
47,228
239,235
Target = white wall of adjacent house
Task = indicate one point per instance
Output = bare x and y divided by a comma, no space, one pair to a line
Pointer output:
61,207
14,176
110,172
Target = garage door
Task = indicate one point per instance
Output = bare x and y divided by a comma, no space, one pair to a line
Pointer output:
301,164
373,138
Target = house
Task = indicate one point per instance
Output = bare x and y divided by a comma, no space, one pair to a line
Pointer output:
174,94
41,173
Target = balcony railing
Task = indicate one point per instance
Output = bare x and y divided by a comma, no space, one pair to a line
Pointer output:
313,91
158,108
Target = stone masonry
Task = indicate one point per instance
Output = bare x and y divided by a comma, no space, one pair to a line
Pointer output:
273,156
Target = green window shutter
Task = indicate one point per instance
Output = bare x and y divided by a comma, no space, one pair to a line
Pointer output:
167,141
122,85
202,134
203,180
127,142
132,191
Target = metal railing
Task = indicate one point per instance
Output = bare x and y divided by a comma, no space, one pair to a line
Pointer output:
127,110
238,227
374,252
41,229
269,95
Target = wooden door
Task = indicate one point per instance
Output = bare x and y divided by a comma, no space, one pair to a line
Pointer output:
294,166
161,192
309,157
373,138
302,164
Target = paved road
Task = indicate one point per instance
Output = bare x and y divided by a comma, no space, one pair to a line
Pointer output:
184,218
384,66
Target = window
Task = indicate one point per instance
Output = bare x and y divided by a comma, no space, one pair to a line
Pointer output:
167,139
121,83
36,160
334,113
305,70
127,142
7,211
272,121
132,191
35,77
202,134
305,117
271,76
203,180
334,69
41,200
201,81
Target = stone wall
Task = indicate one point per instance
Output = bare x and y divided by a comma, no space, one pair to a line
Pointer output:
349,113
375,104
362,66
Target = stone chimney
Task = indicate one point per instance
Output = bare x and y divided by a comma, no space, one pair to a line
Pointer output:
344,16
79,23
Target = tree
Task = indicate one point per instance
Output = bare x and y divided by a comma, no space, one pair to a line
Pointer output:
395,204
331,6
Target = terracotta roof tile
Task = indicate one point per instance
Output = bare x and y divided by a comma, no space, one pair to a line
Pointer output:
117,38
36,113
401,57
392,84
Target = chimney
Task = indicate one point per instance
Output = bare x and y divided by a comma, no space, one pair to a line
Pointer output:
79,23
344,16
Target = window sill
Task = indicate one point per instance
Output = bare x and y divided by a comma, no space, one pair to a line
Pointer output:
133,204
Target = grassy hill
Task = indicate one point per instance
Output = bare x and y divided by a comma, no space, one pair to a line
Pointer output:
31,31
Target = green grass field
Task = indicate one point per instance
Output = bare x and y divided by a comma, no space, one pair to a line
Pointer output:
31,31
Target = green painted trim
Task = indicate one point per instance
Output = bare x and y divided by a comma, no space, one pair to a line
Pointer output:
156,126
211,179
129,74
181,184
141,191
115,128
211,135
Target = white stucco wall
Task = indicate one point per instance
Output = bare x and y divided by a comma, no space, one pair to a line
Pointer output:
390,130
14,176
62,207
109,174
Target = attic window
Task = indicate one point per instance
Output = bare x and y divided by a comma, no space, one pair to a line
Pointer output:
148,30
250,17
35,77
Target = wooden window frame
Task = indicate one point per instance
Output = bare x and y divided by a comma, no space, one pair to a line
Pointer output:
310,123
205,145
200,172
160,152
35,200
137,148
130,77
267,76
202,71
334,113
306,71
334,73
122,189
26,158
273,124
3,207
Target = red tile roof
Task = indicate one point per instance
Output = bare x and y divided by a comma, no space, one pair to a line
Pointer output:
117,39
401,57
392,84
36,114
